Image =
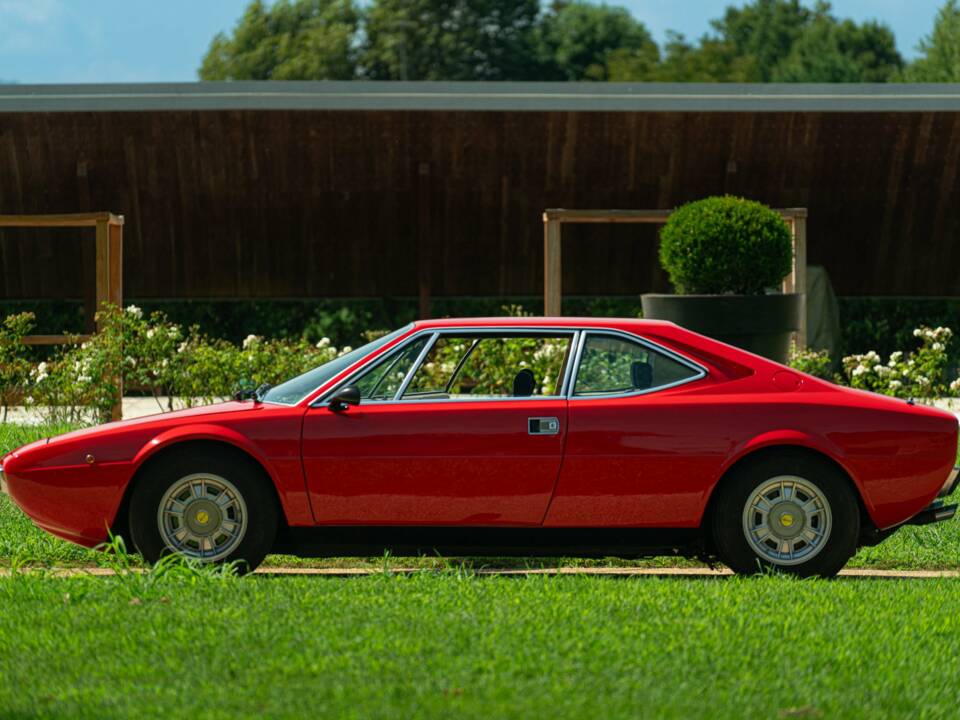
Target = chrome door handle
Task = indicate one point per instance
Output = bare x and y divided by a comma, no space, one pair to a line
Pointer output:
543,426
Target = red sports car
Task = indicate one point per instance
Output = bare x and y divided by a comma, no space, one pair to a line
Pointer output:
510,436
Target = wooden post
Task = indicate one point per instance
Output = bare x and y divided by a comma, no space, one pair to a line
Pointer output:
552,290
800,271
115,296
108,270
103,263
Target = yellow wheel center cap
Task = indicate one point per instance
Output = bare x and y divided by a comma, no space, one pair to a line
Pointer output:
786,520
203,517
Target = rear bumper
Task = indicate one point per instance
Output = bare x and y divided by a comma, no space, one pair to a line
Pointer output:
934,512
951,484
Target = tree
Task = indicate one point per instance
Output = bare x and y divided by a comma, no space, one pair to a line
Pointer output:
291,40
783,41
450,40
761,35
939,60
713,60
830,51
581,41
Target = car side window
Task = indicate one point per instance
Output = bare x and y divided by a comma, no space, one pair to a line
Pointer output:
385,376
613,365
491,366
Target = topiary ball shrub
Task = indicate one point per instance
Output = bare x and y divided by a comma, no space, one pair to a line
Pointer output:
723,245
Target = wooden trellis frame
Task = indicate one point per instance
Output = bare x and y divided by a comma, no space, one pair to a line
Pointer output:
109,266
555,218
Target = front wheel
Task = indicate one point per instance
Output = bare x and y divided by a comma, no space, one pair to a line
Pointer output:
789,512
204,505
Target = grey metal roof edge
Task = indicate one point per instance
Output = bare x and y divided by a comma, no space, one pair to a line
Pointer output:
481,96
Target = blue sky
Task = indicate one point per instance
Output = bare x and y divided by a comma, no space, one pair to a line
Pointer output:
74,41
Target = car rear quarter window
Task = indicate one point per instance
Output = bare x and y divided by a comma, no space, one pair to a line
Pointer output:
610,364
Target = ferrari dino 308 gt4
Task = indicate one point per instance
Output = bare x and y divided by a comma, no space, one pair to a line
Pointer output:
510,436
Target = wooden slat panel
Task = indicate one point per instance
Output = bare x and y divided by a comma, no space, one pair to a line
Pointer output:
310,204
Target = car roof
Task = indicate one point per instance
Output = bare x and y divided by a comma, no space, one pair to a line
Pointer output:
547,322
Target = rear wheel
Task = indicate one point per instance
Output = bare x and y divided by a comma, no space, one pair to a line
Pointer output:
790,512
205,505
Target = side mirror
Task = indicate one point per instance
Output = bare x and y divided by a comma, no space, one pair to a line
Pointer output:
345,396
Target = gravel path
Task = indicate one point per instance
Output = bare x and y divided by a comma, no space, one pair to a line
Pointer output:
703,572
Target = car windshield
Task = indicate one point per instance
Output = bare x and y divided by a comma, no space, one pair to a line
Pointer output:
293,391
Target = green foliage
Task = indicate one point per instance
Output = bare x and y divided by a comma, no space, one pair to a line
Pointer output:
582,41
725,245
922,374
939,59
782,41
831,51
450,40
759,41
886,324
83,378
288,40
15,364
812,362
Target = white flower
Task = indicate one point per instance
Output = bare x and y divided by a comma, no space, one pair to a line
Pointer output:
937,346
250,341
323,342
134,311
896,357
895,384
173,332
918,332
182,346
40,372
150,333
955,385
858,371
346,349
922,380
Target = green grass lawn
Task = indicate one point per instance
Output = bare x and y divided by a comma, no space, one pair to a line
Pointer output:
934,546
200,643
448,644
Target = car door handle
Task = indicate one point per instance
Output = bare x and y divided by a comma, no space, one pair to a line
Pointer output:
543,426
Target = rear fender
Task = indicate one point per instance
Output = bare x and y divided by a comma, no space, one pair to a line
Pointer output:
794,438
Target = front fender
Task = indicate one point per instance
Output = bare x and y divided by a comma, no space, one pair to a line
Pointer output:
202,431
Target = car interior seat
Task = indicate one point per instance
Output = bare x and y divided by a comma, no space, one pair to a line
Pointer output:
641,375
524,383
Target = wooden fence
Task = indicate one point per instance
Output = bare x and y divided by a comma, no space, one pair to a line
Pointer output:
289,204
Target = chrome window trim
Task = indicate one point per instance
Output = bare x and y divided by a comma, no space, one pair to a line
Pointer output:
575,334
701,370
415,366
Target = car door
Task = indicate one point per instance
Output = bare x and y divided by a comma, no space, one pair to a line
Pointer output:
451,430
638,450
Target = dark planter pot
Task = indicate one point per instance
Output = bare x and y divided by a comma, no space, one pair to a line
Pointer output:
761,324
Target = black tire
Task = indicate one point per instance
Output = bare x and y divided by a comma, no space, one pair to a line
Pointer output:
729,526
262,513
